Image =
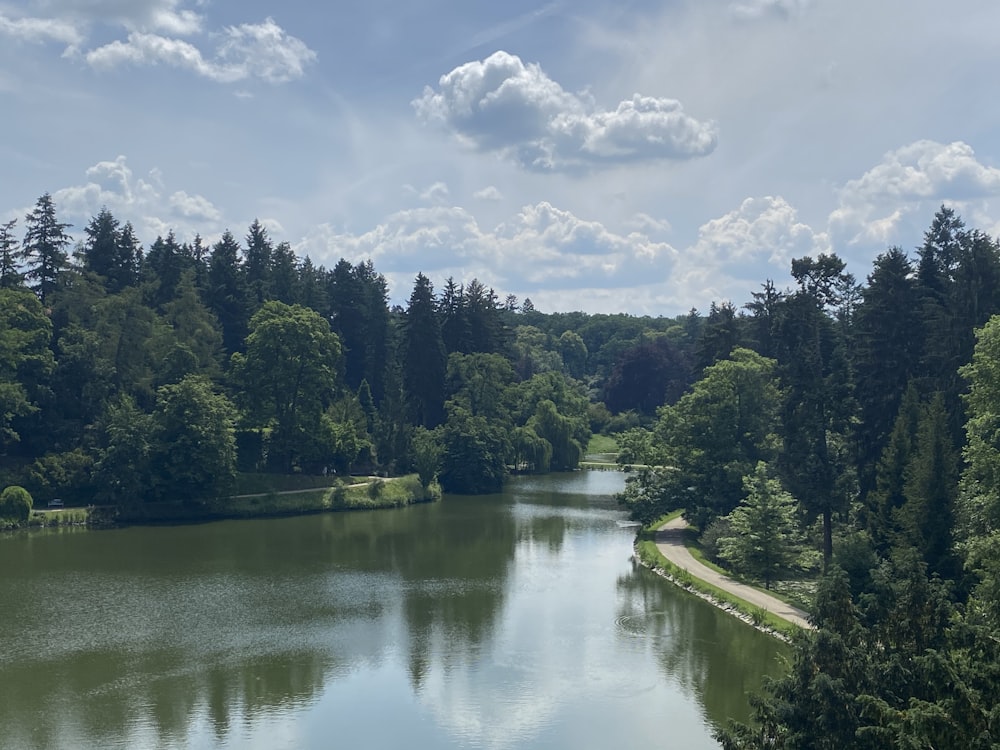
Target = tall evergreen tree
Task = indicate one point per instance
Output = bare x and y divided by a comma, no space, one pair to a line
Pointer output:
44,247
928,515
815,463
454,321
258,264
226,294
10,275
883,503
424,357
886,346
100,248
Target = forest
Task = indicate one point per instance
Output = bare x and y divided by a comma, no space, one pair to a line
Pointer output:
845,426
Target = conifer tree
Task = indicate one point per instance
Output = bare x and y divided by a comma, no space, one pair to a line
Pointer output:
424,357
10,276
44,247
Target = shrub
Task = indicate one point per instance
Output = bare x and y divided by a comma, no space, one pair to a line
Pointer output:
15,504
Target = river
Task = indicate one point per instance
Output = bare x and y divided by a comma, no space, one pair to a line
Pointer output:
514,620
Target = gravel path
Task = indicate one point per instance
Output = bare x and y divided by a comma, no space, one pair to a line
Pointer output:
670,541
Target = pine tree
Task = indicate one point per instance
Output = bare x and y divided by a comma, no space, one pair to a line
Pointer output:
766,540
44,247
424,357
226,295
258,263
10,276
886,344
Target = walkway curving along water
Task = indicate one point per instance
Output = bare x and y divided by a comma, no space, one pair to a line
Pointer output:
670,542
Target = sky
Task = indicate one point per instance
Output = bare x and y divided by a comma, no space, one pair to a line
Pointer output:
635,156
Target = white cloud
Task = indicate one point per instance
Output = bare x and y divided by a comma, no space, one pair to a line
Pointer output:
501,104
168,16
194,207
37,30
540,246
738,251
435,194
262,51
143,201
914,179
488,193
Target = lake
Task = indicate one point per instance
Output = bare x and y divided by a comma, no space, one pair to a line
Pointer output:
514,620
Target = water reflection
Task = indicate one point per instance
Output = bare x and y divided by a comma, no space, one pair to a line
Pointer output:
512,620
719,657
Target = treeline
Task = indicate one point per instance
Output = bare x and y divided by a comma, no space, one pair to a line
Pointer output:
856,425
132,374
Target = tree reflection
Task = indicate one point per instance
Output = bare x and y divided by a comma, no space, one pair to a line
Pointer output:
721,658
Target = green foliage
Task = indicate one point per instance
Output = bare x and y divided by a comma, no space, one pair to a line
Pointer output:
15,504
711,439
475,453
287,377
192,443
426,455
26,362
765,538
896,668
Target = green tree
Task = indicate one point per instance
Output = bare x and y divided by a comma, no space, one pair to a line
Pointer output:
424,358
26,362
10,274
816,463
980,484
884,502
426,455
226,294
288,375
122,469
557,430
475,452
766,539
193,441
15,504
44,247
258,264
885,352
931,483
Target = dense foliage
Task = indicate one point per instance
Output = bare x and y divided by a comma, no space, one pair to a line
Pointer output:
855,421
132,375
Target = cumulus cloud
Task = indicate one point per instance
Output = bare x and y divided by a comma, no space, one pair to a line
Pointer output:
725,261
141,200
542,246
914,179
262,51
503,105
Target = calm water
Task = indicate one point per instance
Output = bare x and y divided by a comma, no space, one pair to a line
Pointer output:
510,621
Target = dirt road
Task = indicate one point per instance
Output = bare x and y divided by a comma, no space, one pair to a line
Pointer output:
670,542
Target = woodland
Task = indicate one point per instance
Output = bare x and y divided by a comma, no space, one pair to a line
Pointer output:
844,427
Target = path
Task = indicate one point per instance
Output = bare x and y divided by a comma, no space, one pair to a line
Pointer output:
670,542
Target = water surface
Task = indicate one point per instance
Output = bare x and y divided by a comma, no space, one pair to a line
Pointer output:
514,620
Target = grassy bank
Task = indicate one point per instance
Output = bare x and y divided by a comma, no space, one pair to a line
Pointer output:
336,495
649,555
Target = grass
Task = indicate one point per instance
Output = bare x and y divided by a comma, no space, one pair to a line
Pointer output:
650,556
601,444
253,484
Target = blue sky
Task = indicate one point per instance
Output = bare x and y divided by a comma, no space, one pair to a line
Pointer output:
643,156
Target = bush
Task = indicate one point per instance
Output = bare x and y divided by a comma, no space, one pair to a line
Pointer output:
15,504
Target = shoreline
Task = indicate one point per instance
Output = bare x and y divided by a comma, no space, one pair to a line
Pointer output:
684,571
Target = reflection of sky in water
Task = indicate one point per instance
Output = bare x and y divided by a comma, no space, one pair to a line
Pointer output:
471,623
